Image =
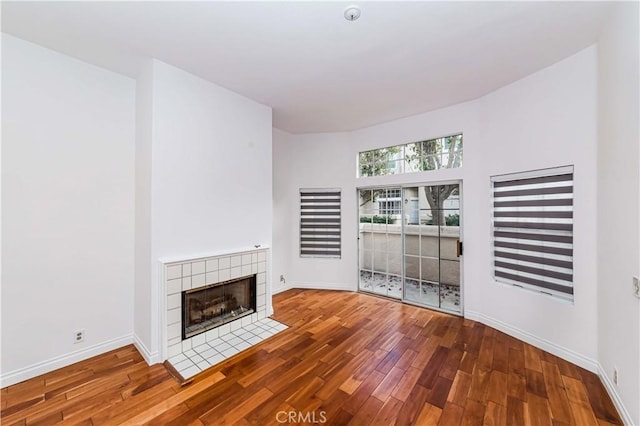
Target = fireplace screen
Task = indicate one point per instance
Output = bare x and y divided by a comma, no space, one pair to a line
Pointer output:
208,307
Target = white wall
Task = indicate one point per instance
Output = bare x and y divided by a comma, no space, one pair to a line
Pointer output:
67,209
211,176
547,119
619,207
211,162
282,232
314,161
144,297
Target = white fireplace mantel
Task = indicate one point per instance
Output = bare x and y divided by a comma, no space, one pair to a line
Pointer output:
194,257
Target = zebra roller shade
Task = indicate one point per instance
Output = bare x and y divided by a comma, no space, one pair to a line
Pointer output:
533,231
320,230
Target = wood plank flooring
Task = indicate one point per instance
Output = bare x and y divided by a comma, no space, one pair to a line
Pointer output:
347,358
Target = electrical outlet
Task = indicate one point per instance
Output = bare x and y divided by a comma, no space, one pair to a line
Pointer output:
636,287
282,279
615,375
78,336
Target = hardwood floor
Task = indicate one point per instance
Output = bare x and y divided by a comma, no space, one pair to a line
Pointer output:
347,358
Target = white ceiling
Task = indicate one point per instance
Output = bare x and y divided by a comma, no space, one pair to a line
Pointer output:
319,72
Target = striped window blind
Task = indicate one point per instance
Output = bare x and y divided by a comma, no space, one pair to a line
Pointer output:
320,230
533,230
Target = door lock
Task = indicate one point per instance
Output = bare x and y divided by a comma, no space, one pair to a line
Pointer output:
458,248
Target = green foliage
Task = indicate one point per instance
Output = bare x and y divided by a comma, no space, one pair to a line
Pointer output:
378,219
434,154
449,220
452,220
376,162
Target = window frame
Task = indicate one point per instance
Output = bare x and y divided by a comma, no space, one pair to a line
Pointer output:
324,240
381,158
396,206
543,204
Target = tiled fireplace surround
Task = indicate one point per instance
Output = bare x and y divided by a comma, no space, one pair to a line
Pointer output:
190,274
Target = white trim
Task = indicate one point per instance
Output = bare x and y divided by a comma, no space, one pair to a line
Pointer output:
25,373
321,189
202,256
281,289
413,184
615,397
533,173
161,295
324,286
150,357
546,345
461,238
269,283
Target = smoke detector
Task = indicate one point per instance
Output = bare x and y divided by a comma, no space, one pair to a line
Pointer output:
352,13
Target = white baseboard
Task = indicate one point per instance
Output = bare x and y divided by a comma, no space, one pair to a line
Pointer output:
612,390
31,371
551,347
280,289
323,286
150,357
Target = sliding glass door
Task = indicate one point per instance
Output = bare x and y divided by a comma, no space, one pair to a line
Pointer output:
409,244
380,247
432,246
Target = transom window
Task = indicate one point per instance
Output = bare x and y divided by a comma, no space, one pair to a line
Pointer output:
432,154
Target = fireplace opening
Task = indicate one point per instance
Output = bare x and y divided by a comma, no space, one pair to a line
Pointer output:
208,307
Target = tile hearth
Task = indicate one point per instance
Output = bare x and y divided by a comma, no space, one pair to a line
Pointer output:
191,355
193,361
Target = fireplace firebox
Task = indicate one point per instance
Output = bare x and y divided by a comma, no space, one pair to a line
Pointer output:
211,306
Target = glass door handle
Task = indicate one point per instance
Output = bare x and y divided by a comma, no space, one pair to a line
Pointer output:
458,248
